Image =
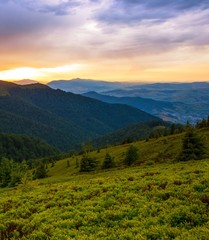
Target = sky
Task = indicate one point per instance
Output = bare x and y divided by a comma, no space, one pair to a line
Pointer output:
113,40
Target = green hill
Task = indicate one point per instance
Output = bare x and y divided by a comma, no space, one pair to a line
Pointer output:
20,147
64,120
161,150
133,133
158,198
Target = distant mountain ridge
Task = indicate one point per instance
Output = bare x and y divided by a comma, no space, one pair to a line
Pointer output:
174,86
25,82
179,92
165,110
79,86
190,100
62,119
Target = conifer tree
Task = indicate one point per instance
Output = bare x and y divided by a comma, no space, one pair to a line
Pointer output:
132,155
88,164
108,162
193,147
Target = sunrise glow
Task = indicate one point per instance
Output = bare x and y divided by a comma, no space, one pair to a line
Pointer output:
108,40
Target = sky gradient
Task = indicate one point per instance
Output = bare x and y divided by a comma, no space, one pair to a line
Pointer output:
113,40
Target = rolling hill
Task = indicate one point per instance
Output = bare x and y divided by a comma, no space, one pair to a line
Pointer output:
64,120
132,133
158,198
21,147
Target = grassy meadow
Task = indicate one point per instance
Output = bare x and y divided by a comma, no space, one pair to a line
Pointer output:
157,198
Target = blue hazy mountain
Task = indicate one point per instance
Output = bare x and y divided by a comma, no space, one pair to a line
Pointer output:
85,85
166,110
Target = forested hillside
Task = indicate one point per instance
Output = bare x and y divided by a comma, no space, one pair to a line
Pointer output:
155,128
21,147
64,120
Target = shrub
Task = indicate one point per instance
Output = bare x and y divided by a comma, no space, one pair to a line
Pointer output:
108,162
11,172
88,164
131,155
40,171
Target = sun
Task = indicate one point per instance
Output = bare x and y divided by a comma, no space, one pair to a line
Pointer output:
19,73
37,73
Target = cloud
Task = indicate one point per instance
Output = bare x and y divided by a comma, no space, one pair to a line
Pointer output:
29,29
58,8
27,72
128,12
50,33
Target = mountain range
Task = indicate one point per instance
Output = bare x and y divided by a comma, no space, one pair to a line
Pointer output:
80,86
178,112
62,119
197,92
25,82
176,102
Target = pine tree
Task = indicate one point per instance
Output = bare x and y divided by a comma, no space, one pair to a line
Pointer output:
40,171
193,147
132,155
88,164
108,162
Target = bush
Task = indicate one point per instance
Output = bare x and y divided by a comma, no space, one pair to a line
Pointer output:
131,155
108,162
40,171
88,164
11,172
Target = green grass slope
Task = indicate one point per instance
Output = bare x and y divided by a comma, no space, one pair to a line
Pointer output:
160,150
159,198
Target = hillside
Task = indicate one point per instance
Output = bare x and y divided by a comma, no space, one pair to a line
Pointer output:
168,111
21,147
154,151
64,120
159,198
132,133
